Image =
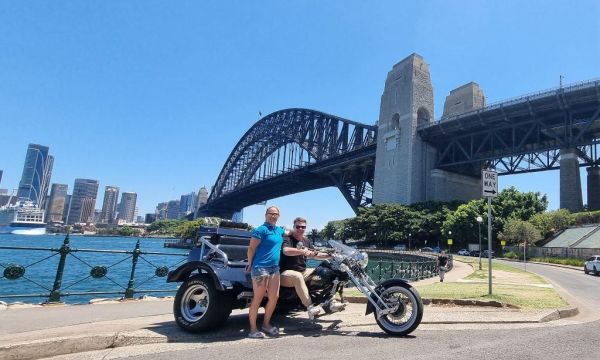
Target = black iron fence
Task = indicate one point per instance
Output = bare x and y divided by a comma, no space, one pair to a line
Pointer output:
75,274
411,270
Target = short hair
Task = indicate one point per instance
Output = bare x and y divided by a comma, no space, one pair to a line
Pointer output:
299,219
272,207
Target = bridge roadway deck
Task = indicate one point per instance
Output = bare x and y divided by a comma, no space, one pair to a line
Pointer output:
32,332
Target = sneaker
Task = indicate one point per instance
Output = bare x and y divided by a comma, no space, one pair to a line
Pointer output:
313,310
256,335
337,306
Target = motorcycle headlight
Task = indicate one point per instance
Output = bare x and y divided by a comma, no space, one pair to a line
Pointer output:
363,259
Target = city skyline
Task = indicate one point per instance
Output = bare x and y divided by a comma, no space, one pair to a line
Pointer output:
153,97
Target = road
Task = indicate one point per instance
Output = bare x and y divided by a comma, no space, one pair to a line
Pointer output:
577,288
575,338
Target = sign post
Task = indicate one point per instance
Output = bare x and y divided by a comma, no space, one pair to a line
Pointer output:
449,246
489,189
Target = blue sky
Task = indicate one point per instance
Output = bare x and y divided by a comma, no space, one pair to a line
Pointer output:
151,96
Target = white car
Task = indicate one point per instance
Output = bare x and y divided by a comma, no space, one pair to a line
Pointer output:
464,252
592,265
400,247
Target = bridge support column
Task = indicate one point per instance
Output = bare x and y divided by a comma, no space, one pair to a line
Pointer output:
570,181
448,186
593,188
402,162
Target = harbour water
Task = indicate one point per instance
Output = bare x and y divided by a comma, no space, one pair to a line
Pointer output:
41,267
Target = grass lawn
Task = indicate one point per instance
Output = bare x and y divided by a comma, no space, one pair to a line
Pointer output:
510,285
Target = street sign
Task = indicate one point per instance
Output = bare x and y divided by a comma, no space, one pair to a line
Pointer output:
502,242
449,241
489,183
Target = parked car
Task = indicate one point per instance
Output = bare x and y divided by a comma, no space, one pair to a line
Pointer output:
474,253
426,249
486,253
372,246
437,249
400,247
592,265
464,252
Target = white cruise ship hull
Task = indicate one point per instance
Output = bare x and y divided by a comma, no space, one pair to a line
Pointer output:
22,230
23,218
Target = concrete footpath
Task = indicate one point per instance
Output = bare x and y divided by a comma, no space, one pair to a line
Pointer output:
33,332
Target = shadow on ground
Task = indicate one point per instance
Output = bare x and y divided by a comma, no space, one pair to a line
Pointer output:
236,328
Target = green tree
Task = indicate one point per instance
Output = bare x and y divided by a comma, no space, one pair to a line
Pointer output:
512,204
552,222
128,231
518,232
463,224
328,231
587,217
188,229
164,227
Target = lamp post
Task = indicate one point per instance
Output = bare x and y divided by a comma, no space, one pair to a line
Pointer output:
449,235
409,241
479,221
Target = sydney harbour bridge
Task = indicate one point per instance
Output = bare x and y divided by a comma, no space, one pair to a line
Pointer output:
408,156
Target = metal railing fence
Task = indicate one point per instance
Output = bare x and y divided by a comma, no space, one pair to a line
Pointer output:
68,276
380,270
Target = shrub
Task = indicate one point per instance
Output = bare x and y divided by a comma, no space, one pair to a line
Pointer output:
512,255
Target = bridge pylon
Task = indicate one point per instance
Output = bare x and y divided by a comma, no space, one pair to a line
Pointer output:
405,170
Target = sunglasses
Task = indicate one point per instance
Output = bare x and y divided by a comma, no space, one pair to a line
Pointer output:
273,214
300,227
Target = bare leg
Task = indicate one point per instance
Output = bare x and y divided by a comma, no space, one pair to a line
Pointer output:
259,287
273,294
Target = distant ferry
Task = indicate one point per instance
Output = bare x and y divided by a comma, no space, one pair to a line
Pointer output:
22,218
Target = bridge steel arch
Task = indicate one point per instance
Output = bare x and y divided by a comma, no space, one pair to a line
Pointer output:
291,151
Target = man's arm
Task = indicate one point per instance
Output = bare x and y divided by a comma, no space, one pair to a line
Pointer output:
291,251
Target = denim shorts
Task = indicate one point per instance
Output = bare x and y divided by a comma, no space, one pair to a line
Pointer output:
261,271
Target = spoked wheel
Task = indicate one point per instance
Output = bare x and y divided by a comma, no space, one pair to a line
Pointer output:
199,306
407,313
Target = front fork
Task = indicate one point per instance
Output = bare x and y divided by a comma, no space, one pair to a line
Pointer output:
364,283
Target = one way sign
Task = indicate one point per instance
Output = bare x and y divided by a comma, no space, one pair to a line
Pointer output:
489,182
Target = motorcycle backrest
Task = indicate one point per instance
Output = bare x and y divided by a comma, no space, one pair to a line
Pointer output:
234,240
234,252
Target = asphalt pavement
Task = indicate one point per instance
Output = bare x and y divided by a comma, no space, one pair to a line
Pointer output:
33,332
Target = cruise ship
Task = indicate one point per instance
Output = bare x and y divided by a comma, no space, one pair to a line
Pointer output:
22,218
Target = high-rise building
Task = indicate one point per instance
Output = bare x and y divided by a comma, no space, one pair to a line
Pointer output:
56,203
187,204
150,218
161,211
1,176
109,205
202,197
173,209
67,207
83,201
37,172
127,206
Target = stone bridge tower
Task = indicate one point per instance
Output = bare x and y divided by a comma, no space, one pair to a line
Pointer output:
404,167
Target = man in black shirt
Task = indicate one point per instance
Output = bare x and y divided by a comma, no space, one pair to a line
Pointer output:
292,266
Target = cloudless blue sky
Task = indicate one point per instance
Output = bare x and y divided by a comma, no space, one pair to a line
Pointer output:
151,96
